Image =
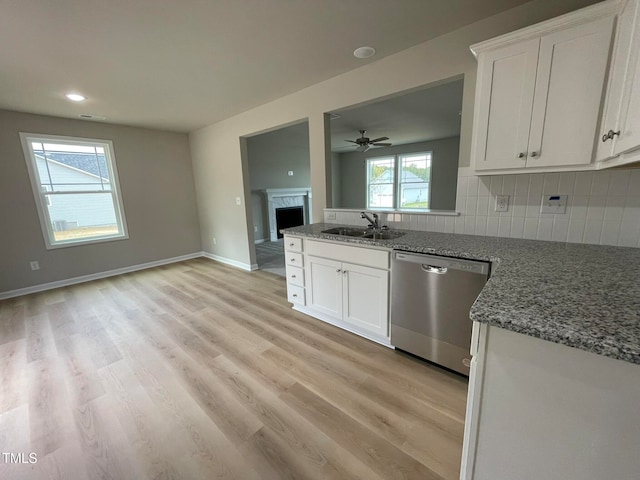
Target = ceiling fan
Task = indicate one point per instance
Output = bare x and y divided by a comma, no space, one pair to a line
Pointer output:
363,143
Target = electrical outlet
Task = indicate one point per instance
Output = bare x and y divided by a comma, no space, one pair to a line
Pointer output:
331,216
290,173
35,265
502,203
238,201
255,229
214,240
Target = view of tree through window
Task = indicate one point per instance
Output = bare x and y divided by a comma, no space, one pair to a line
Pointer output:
409,189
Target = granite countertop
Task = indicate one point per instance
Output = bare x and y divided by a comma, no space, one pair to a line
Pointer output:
583,296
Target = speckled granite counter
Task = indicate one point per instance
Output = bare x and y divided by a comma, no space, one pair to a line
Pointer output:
583,296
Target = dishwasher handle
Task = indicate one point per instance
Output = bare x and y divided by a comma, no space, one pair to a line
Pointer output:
434,269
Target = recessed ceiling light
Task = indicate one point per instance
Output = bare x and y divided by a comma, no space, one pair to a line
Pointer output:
76,97
364,52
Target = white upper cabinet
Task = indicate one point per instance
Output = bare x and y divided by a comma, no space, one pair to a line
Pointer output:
619,136
539,92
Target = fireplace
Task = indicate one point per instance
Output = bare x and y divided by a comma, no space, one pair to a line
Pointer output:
288,217
283,198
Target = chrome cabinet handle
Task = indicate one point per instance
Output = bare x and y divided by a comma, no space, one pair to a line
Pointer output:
344,272
293,276
522,155
295,295
291,244
609,135
293,259
338,270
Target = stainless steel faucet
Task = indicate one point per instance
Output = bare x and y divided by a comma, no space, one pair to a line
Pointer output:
373,221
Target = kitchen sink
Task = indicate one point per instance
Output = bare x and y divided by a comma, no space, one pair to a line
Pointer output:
364,233
347,232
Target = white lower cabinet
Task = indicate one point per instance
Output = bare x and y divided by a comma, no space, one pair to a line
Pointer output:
353,294
341,284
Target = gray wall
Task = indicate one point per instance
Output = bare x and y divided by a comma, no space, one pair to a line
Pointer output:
270,156
444,172
158,193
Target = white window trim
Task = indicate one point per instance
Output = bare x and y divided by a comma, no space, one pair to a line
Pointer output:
397,183
43,212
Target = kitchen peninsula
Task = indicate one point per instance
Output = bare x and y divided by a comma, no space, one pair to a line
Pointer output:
555,381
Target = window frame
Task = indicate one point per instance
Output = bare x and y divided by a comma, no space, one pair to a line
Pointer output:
397,181
41,196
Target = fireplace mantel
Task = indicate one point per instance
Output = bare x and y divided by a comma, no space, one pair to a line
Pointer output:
286,197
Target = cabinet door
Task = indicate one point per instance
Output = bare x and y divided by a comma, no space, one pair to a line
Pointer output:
365,299
324,286
569,85
629,116
504,98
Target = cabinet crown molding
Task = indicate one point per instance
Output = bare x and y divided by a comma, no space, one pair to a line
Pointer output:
584,15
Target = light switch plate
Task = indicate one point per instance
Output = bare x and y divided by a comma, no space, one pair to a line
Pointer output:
238,201
554,204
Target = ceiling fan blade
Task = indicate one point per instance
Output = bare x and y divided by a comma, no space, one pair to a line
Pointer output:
382,144
378,139
352,141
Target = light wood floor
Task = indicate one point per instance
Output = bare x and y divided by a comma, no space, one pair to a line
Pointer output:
198,371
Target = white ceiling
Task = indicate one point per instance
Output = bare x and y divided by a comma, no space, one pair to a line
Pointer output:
181,65
427,114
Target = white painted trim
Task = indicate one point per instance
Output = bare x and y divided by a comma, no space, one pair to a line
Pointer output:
95,276
584,15
449,213
229,261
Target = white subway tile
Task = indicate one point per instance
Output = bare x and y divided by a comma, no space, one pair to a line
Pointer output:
406,221
619,182
470,225
596,207
481,225
560,230
483,206
449,224
472,187
533,209
422,222
530,228
592,231
483,186
492,226
566,183
629,234
414,219
517,227
431,223
550,184
583,183
579,207
536,182
634,182
545,228
459,225
509,185
600,185
472,205
614,208
492,207
520,206
522,185
440,223
496,185
461,189
610,232
504,227
461,204
576,230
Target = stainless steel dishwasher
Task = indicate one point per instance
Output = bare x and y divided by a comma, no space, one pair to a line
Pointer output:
430,301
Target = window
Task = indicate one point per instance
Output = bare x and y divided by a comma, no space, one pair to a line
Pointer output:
75,184
400,181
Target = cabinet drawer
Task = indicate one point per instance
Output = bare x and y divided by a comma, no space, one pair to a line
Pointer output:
292,244
345,253
295,276
294,259
295,294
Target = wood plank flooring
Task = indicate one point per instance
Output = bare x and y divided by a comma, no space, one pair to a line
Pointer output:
198,370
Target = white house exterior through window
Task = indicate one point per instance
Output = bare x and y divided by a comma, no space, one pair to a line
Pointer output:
75,184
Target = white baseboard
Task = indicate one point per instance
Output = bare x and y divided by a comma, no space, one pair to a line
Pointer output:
229,261
95,276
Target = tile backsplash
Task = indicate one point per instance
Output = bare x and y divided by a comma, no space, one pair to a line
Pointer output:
602,208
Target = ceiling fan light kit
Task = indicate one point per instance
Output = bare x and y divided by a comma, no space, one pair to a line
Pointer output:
364,52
